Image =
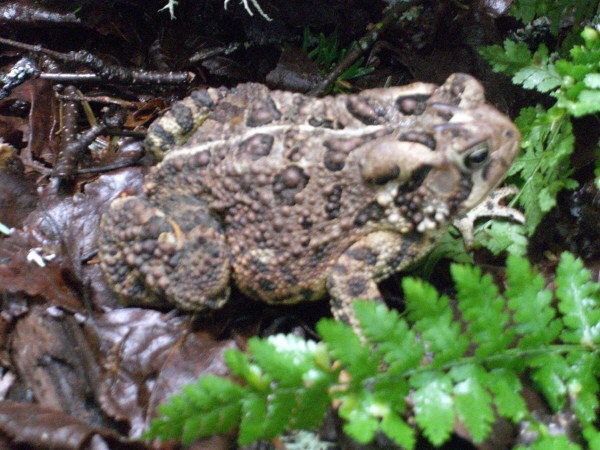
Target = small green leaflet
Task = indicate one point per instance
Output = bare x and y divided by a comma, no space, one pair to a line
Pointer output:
579,302
434,405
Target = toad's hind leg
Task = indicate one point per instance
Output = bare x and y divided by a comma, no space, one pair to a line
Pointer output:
173,255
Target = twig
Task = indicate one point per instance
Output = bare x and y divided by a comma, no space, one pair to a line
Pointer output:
99,99
104,72
134,76
110,168
70,145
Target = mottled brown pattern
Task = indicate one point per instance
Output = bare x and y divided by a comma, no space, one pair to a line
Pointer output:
295,198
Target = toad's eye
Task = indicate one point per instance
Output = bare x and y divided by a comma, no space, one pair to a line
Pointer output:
477,156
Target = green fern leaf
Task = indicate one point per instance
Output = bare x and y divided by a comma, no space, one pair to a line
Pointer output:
423,303
554,443
286,356
552,370
292,382
434,405
391,389
524,10
281,408
396,343
377,321
587,102
583,385
238,362
540,73
579,302
482,308
209,407
505,386
510,59
446,341
214,399
362,428
253,418
360,422
506,236
473,402
592,80
433,319
537,78
398,430
548,142
534,318
312,401
345,346
592,435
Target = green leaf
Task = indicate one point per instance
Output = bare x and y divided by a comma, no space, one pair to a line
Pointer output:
544,167
395,342
346,347
433,405
505,386
312,401
254,414
513,57
281,408
377,322
362,428
422,300
579,302
506,236
552,370
446,340
592,435
286,356
433,318
471,369
238,362
560,442
472,400
392,389
592,80
398,430
524,10
586,103
539,73
583,385
542,79
483,309
360,424
534,318
209,407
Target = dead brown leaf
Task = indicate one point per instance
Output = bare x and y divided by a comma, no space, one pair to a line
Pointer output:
148,356
27,426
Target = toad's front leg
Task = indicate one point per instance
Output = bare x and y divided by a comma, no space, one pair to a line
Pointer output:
373,258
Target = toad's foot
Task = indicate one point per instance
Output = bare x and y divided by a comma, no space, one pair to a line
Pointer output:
489,207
